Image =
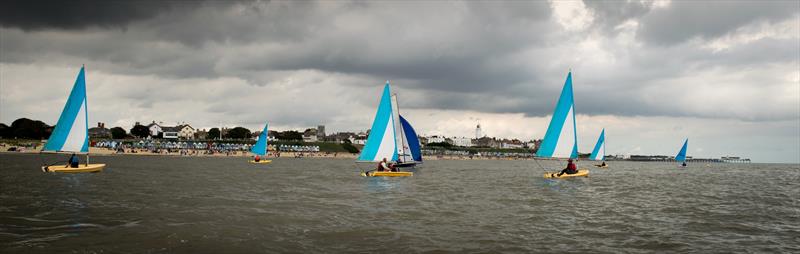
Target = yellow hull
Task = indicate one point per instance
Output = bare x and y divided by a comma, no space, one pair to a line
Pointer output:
82,168
375,173
260,162
581,172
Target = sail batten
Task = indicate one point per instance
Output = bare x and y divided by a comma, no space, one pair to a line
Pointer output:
71,133
561,139
599,151
260,148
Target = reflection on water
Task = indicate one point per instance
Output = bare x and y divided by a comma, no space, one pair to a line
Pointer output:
222,205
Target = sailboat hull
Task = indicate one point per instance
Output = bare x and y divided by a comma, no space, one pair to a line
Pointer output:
393,174
82,168
581,173
600,166
261,161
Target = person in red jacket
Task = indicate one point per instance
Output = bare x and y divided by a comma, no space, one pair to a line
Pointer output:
571,168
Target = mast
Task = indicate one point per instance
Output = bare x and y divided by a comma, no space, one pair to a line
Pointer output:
399,127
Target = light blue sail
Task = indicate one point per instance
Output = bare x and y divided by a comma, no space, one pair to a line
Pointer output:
682,154
561,138
260,148
411,140
71,133
381,142
599,151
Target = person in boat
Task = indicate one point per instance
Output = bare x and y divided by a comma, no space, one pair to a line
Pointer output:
257,158
73,161
603,164
383,166
570,169
683,164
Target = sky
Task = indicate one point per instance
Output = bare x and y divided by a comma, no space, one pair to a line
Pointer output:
724,74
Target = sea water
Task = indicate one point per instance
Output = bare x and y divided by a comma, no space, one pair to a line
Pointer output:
226,205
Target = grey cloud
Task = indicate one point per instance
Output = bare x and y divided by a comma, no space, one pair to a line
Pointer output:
683,20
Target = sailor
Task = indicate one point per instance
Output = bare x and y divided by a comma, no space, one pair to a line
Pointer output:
570,169
73,161
257,158
383,165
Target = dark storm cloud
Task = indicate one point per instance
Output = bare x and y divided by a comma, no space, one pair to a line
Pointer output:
482,56
79,14
683,20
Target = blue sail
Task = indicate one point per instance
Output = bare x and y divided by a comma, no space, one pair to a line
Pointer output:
71,133
561,138
260,148
381,142
682,154
599,151
411,140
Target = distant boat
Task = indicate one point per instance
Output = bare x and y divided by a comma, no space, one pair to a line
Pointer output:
71,134
561,138
260,148
681,157
599,151
391,137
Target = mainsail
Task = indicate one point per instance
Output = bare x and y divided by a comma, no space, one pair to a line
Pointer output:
71,133
599,151
260,148
381,142
682,154
561,139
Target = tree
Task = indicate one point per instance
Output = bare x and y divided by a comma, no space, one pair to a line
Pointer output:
140,131
118,133
238,133
5,131
213,133
349,147
289,135
30,129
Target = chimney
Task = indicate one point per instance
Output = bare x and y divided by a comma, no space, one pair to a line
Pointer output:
99,125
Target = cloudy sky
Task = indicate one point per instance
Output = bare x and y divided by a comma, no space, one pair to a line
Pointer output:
726,75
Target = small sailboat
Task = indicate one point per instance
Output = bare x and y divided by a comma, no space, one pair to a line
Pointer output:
260,148
599,151
561,138
71,134
681,157
391,137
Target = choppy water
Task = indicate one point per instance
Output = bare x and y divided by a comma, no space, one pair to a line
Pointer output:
225,205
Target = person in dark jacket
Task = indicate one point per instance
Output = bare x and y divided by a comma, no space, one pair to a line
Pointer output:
73,161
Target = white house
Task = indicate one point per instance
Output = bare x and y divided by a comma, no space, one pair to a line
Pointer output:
155,129
186,131
465,142
436,139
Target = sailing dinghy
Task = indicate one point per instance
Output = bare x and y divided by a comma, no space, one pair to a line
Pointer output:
599,151
681,157
561,138
71,134
260,148
391,137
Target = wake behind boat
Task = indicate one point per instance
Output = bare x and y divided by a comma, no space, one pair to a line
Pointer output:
561,138
71,134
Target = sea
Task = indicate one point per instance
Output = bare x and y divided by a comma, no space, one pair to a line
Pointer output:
160,204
